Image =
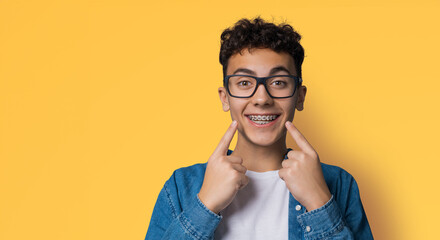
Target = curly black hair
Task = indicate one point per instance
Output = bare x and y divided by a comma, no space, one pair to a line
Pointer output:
257,33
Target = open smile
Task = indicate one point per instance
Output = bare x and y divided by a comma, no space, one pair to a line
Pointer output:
262,120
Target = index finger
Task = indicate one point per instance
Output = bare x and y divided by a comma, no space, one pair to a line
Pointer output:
300,140
222,147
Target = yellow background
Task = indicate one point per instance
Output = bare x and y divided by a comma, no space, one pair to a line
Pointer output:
100,101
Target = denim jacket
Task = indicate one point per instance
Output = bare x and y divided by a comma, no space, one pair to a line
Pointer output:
179,213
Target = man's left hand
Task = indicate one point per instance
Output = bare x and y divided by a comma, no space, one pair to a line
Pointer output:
302,173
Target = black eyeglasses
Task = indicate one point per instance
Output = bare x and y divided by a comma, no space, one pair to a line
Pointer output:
277,86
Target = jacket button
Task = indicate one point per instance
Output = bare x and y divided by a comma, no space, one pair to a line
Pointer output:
298,207
308,229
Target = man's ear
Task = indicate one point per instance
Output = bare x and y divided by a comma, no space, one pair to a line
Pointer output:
302,90
223,98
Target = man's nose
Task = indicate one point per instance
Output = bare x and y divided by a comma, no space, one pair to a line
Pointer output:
261,96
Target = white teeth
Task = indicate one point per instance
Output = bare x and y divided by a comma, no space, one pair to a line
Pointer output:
262,119
261,122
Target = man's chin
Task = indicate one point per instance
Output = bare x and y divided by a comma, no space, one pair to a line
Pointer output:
263,141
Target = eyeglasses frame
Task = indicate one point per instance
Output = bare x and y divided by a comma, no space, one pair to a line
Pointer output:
261,80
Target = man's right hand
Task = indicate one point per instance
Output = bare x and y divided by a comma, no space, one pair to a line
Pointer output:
224,175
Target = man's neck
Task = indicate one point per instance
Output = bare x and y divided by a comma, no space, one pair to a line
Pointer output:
260,158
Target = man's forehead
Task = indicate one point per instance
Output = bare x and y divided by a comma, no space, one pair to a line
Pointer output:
261,61
274,70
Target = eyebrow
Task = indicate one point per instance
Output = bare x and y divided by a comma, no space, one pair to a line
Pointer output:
272,71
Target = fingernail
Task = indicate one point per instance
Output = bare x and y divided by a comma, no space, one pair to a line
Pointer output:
234,123
288,123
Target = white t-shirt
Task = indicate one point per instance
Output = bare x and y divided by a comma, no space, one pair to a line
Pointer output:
259,211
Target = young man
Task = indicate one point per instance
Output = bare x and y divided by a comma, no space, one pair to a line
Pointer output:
262,189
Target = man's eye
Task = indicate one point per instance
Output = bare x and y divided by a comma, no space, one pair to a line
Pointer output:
244,83
279,83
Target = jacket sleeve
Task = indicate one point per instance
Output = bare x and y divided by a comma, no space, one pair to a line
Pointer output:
329,222
168,221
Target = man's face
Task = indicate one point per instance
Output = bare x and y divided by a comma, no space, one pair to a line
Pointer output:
262,63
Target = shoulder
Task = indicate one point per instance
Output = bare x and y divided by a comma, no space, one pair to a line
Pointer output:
334,173
185,183
341,184
189,173
339,181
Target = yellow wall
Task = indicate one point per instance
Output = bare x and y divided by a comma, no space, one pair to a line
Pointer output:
97,109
